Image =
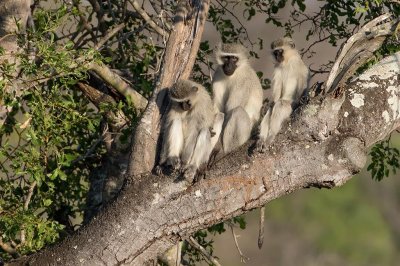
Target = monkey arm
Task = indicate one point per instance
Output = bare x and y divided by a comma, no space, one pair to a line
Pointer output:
277,85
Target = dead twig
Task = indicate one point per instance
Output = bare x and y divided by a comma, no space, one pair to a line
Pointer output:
243,258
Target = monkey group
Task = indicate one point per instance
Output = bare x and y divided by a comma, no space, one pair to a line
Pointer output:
196,124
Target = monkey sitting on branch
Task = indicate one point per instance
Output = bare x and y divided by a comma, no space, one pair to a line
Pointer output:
237,93
190,129
289,84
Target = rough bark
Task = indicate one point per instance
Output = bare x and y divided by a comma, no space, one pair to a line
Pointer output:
323,147
11,11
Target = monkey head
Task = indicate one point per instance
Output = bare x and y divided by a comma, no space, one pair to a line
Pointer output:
230,56
183,95
279,47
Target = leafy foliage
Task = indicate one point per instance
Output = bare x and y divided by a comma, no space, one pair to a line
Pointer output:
42,156
384,159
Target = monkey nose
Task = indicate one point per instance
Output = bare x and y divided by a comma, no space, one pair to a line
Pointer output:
278,52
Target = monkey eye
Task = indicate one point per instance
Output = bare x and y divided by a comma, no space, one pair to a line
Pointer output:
235,59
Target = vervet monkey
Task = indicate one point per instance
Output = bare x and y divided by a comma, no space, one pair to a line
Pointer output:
289,84
190,121
237,93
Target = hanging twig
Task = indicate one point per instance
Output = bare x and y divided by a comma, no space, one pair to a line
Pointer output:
243,258
26,205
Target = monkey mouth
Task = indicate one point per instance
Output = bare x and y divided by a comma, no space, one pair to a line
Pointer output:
229,71
279,59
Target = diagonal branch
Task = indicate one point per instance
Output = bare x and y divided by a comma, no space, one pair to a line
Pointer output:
148,19
119,84
359,48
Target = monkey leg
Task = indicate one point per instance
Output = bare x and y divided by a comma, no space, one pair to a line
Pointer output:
237,129
281,111
217,128
261,145
172,146
201,152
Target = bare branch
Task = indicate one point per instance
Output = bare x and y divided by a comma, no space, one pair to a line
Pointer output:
119,84
243,258
210,259
109,35
359,48
8,248
148,19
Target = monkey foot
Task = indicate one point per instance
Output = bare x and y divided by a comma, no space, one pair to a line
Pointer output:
262,145
189,173
174,163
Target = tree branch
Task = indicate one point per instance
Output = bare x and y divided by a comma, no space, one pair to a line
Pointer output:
359,48
148,19
119,84
210,259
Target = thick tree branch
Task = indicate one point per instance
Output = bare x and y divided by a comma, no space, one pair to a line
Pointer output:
323,147
359,48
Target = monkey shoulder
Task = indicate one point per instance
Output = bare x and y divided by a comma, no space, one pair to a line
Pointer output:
250,79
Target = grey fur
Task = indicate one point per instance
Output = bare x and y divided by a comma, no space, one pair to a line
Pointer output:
186,134
289,84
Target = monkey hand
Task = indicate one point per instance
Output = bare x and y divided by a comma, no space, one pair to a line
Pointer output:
174,163
212,132
189,173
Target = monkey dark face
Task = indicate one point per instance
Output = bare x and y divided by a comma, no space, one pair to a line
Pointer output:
278,55
230,64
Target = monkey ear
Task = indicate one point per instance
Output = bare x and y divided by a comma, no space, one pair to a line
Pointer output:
195,89
292,45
